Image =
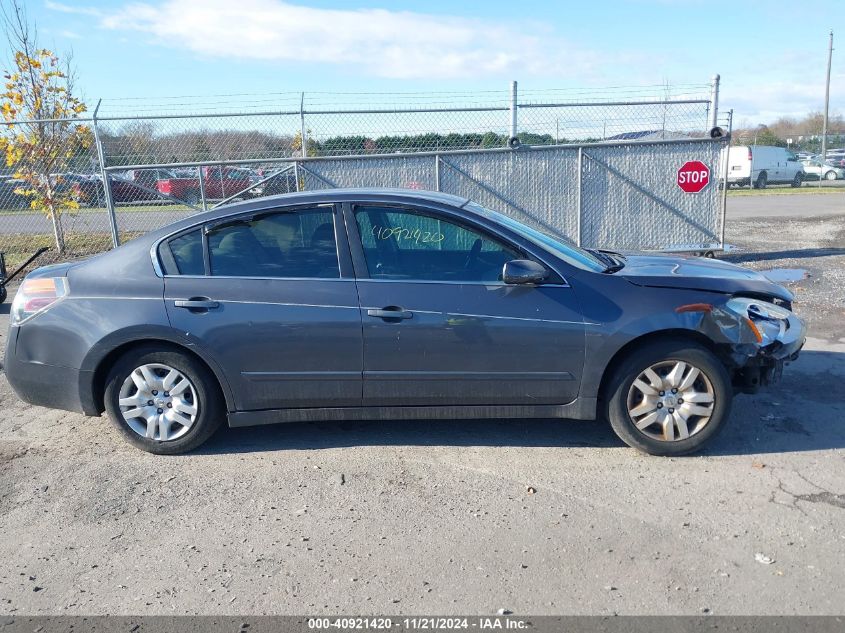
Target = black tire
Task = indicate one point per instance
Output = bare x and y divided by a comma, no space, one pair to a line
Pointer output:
762,180
3,294
619,385
211,407
796,182
831,175
192,198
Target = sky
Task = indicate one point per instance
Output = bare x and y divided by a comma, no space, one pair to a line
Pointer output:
771,56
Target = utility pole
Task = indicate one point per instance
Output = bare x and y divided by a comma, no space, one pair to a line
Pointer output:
826,100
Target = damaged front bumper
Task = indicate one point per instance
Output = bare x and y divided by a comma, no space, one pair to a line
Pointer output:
755,350
763,365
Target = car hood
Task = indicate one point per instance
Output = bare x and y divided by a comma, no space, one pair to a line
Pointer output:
699,273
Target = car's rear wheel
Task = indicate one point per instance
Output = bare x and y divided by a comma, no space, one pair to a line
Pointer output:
831,175
163,401
669,398
762,180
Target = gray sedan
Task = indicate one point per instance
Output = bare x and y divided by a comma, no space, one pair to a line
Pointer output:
391,304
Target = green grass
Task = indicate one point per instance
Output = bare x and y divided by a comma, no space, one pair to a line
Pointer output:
18,247
808,188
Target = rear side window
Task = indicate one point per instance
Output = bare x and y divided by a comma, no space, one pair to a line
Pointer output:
187,253
298,244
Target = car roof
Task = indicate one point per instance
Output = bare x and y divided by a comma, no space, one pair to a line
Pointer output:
352,193
349,194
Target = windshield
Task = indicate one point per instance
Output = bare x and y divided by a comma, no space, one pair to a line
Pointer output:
570,253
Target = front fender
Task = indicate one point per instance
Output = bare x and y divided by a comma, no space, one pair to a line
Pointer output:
649,312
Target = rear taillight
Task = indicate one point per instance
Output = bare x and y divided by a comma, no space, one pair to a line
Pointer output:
750,155
36,295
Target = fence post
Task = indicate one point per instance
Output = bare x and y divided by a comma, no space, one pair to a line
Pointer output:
101,155
714,102
513,111
303,140
201,179
727,150
437,172
578,196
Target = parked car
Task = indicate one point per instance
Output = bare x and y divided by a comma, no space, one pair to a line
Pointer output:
63,182
142,184
219,183
283,181
386,304
816,169
135,185
835,157
759,165
9,198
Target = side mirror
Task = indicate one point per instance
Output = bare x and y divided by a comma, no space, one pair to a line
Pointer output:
523,271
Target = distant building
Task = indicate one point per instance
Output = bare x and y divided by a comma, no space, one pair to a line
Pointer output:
647,135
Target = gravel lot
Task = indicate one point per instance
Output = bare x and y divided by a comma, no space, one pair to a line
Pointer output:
428,517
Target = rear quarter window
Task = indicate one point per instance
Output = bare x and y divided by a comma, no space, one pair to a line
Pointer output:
187,254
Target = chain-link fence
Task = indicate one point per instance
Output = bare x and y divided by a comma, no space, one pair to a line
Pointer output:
167,159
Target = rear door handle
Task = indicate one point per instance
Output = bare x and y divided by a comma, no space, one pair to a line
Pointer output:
197,304
390,312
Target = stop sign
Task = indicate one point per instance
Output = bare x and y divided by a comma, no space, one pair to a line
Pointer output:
693,176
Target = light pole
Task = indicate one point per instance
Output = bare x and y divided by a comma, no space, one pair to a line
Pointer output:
826,99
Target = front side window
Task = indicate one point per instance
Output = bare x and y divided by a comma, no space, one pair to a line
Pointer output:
409,244
570,253
295,244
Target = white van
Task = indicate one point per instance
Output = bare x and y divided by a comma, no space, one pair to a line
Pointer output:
759,165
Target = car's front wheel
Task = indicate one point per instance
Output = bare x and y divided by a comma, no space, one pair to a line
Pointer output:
669,398
163,401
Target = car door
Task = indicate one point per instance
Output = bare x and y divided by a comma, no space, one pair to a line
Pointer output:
271,298
791,166
439,325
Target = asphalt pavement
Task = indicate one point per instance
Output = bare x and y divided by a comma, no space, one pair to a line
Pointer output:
780,205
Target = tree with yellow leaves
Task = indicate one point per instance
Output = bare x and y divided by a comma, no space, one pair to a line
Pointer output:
39,92
310,144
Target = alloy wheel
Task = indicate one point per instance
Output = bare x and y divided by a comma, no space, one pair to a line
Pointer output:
671,400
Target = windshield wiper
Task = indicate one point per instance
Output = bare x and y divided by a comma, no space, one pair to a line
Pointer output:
612,264
602,257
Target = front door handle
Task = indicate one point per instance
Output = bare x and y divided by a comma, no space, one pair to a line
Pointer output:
197,304
390,312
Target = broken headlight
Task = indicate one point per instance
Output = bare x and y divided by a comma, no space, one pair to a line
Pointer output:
765,319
